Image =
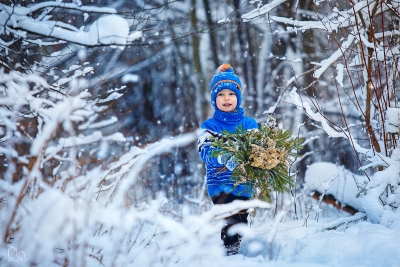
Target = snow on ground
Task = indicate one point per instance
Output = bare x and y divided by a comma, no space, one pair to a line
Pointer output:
324,237
359,244
144,236
335,240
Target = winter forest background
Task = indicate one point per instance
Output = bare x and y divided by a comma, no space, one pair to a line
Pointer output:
101,102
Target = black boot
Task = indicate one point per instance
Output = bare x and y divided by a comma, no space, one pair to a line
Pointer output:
231,243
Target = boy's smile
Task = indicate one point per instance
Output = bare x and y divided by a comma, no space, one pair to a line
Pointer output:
226,100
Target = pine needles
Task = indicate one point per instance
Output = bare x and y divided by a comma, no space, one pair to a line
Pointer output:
262,157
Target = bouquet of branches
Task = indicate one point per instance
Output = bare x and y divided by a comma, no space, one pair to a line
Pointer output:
262,157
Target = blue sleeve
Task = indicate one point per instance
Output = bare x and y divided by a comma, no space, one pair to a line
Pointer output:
205,150
251,124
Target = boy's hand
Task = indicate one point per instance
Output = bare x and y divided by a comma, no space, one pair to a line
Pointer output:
231,164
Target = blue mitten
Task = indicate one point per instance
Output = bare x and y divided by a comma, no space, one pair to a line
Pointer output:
231,164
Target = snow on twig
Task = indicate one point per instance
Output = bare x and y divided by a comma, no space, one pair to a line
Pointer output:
110,29
263,10
343,221
135,164
36,7
317,116
326,63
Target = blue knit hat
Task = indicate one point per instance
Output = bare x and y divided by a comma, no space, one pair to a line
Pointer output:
225,79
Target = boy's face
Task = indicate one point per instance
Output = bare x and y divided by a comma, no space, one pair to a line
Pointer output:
226,100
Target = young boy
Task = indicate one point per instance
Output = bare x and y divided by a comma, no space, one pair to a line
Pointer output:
226,98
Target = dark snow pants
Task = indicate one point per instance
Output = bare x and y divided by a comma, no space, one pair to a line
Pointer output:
240,217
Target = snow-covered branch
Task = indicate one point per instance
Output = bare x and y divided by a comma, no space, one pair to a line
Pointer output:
326,63
55,4
134,161
110,29
317,116
262,10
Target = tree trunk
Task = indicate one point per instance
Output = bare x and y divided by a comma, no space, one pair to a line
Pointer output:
201,103
213,41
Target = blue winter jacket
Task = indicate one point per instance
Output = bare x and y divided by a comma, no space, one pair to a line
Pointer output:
219,178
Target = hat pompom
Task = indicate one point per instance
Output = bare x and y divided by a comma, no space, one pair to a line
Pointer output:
224,67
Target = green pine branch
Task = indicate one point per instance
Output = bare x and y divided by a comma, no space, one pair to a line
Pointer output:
263,157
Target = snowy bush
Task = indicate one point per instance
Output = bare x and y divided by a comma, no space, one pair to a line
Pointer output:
67,213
